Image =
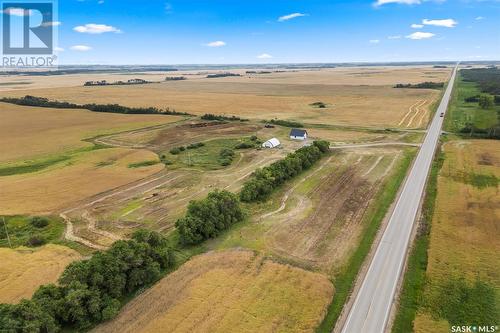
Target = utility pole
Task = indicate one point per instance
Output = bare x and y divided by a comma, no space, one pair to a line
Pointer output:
6,231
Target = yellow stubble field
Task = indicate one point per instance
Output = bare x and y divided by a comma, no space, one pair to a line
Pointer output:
23,270
228,291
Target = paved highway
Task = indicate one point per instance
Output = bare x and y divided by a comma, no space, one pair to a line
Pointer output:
370,310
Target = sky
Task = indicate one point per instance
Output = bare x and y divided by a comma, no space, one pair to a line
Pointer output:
276,31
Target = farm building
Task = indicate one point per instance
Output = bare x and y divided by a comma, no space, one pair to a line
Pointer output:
271,143
298,134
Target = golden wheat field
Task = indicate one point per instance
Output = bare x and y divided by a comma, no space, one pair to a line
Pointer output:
356,96
230,291
23,270
83,175
32,132
464,233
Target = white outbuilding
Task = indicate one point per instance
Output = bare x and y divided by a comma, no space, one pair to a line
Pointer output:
298,134
271,143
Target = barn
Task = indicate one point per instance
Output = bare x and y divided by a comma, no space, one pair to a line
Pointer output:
271,143
298,134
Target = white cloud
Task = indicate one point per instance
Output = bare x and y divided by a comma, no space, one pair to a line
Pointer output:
479,18
81,48
374,41
420,35
290,16
217,43
14,11
58,49
92,28
405,2
51,24
417,26
264,56
447,23
394,37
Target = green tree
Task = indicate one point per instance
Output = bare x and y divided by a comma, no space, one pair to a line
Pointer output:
486,101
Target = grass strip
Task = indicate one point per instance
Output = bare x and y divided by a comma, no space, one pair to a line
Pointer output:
414,278
345,279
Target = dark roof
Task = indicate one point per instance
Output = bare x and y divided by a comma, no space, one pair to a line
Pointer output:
297,132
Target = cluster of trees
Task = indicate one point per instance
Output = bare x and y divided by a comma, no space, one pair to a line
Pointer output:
285,123
208,217
111,108
254,142
178,150
226,156
195,145
210,116
319,105
265,180
487,133
90,291
422,85
488,79
213,76
175,78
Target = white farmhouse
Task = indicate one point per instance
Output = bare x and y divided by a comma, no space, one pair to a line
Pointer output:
271,143
298,134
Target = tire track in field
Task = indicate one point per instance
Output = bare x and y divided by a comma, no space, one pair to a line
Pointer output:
418,110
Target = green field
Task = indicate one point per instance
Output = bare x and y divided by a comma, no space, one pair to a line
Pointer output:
206,157
460,112
20,230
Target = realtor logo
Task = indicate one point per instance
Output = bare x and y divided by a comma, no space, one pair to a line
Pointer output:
29,33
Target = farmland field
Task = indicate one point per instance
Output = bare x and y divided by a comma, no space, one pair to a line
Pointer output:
354,96
464,245
108,175
82,175
23,270
229,291
30,133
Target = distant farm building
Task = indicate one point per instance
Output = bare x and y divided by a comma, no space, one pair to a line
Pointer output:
298,134
271,143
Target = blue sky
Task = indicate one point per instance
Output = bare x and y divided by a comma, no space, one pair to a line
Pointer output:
276,31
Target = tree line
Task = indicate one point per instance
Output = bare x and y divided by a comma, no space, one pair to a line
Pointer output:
285,123
488,79
422,85
91,291
210,116
208,217
265,180
109,108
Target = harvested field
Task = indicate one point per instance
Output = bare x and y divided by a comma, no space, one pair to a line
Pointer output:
23,270
157,201
360,96
32,132
230,291
317,221
83,175
464,243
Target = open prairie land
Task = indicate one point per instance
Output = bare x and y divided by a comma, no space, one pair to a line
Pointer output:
356,96
23,270
28,133
81,175
463,261
229,291
318,220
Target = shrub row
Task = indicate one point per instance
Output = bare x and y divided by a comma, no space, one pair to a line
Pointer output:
285,123
109,108
208,217
423,85
226,156
210,116
90,291
265,180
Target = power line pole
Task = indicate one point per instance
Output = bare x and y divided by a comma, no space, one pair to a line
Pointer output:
6,231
